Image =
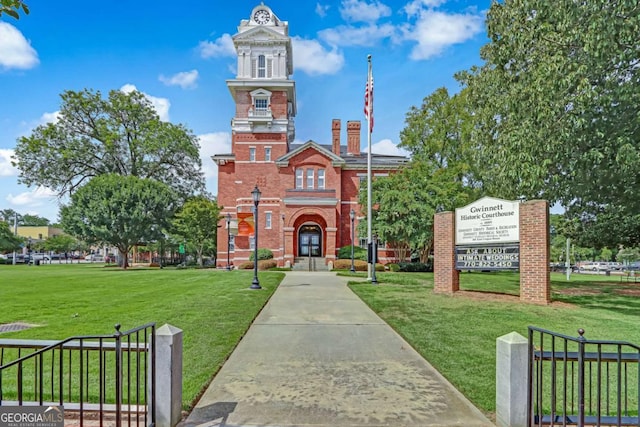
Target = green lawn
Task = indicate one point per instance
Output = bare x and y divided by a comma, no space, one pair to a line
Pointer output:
213,308
457,335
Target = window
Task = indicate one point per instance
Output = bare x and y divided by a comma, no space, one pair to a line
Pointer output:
261,104
267,220
309,178
252,243
252,154
267,154
320,179
262,66
299,178
232,243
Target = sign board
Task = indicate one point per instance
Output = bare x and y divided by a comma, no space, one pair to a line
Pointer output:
488,221
497,257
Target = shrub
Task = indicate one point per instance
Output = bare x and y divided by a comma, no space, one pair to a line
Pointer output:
262,265
415,267
393,267
358,253
262,254
359,265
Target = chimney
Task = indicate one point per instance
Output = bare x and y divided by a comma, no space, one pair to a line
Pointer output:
353,137
335,136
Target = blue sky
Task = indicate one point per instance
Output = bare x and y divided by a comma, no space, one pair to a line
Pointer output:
180,55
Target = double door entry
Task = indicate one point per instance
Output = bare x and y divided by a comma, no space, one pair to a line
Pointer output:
310,241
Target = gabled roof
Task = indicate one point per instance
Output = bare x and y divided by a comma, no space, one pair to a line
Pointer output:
335,160
252,34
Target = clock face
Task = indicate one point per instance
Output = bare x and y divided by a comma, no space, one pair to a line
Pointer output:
261,16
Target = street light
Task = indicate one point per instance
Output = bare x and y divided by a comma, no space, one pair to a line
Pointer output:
256,200
352,215
374,257
228,240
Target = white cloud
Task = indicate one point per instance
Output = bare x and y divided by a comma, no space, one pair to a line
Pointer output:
161,105
387,147
34,198
15,50
413,8
312,58
184,79
435,31
321,10
210,144
6,169
49,118
363,11
223,46
346,35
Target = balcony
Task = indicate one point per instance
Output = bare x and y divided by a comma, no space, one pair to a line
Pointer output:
260,115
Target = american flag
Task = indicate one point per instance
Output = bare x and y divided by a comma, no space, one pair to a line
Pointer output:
368,101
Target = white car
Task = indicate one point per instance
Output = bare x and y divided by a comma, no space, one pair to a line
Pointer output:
40,257
94,258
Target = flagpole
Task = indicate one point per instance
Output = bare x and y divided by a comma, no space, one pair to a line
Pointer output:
369,106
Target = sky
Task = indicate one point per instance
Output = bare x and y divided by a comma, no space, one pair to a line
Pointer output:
180,54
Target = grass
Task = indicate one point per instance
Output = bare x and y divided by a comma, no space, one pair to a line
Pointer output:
457,335
213,308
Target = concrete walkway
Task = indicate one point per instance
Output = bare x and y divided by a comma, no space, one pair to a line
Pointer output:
318,356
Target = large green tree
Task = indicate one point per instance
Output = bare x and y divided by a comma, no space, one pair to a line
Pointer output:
197,224
121,134
8,241
556,104
122,211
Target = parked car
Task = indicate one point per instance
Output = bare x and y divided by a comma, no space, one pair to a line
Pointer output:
94,258
40,257
632,266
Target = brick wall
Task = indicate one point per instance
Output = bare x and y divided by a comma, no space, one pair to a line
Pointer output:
535,284
446,279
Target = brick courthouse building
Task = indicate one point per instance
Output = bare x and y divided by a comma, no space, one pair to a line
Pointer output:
309,189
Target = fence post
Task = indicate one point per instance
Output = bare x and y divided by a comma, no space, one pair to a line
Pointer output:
581,343
168,341
511,380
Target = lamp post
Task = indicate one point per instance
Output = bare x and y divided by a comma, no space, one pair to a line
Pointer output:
228,240
374,258
255,194
352,216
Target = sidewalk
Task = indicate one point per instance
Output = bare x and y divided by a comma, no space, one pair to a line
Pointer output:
318,356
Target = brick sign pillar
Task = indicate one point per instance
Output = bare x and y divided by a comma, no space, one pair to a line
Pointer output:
535,282
446,279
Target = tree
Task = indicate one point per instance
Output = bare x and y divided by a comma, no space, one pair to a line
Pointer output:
197,223
61,243
119,210
9,216
12,8
94,136
34,221
8,241
439,133
557,102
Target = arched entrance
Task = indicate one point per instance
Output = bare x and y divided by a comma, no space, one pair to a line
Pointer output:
310,240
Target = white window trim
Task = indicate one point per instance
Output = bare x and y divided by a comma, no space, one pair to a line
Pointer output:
267,149
322,182
268,220
252,154
301,173
313,178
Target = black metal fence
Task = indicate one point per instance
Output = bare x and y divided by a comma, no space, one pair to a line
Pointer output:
576,381
104,378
